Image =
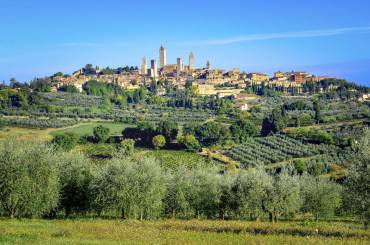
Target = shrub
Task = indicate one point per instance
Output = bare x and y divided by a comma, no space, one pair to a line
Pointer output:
159,141
189,142
128,146
101,134
66,141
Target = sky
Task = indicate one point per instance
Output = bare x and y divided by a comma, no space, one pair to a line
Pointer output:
324,37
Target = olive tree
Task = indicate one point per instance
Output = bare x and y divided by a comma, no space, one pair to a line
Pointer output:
28,179
76,173
205,191
358,190
283,196
133,187
321,196
177,191
251,191
227,201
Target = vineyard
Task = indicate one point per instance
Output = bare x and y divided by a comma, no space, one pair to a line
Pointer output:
277,148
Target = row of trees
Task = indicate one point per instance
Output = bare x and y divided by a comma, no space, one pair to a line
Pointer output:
37,181
192,135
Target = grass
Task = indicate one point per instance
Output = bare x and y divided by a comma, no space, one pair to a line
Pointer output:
48,133
87,128
26,134
98,231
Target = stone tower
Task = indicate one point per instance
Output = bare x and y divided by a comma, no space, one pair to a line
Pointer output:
162,57
154,68
180,66
191,61
144,67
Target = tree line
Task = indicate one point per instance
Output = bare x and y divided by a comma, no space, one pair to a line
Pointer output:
38,181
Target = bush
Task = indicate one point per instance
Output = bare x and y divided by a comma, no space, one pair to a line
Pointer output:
159,141
189,142
128,146
65,141
101,134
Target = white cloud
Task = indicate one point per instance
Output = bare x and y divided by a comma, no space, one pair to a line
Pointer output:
284,35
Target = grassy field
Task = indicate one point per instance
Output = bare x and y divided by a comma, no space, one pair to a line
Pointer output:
47,134
178,232
26,133
87,128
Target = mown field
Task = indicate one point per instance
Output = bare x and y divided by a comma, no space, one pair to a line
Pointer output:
97,231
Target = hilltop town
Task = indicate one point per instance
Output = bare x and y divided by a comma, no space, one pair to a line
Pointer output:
206,80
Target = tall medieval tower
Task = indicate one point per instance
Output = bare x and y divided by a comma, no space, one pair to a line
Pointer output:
162,57
191,61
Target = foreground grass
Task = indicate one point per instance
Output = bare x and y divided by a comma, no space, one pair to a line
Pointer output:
177,232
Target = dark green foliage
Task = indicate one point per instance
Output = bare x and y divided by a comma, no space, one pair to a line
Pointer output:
76,174
300,166
243,129
300,105
317,110
212,133
142,134
168,129
275,123
66,141
101,134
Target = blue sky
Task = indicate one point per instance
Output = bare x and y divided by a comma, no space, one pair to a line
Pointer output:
38,38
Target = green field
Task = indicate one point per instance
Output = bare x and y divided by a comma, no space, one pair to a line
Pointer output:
87,128
48,133
97,231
